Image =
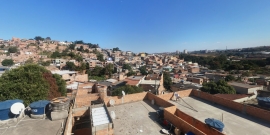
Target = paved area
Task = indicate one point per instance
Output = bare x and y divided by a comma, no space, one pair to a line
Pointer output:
235,122
136,116
29,126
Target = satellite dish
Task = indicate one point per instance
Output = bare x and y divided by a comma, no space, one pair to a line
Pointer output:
17,108
255,92
112,102
123,93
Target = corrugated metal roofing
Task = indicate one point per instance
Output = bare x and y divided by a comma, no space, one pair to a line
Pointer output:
100,116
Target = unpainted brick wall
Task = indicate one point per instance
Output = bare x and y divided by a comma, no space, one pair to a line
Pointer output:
127,98
183,93
247,109
104,132
196,123
159,101
180,123
84,131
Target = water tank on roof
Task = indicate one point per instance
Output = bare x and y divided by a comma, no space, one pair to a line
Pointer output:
264,101
195,64
217,124
39,107
60,104
189,63
5,112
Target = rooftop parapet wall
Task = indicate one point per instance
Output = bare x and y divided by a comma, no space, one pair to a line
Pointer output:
126,99
180,123
183,93
246,109
184,122
197,123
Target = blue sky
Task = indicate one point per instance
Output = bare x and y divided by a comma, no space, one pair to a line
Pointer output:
141,25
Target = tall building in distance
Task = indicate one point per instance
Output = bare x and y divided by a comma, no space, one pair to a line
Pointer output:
177,52
185,51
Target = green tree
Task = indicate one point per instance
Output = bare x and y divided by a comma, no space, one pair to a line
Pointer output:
127,89
229,78
56,54
61,84
71,46
100,57
219,87
39,38
167,81
30,83
48,38
12,49
29,61
78,58
7,62
46,63
108,69
116,49
2,46
70,66
131,73
97,71
143,70
127,66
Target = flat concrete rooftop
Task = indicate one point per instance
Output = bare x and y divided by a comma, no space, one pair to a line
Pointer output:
29,126
135,116
235,122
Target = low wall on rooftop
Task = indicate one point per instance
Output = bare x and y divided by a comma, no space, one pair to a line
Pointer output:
158,100
182,121
181,124
183,93
197,123
126,99
246,109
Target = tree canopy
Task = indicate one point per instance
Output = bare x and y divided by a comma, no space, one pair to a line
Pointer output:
31,83
116,49
167,81
143,70
219,87
12,49
39,38
230,78
7,62
128,89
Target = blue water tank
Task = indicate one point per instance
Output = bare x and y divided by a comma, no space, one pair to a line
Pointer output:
264,101
5,112
215,124
38,107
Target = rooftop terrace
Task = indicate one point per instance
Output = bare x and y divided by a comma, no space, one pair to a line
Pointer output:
29,126
236,123
135,116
